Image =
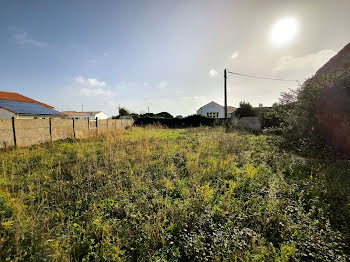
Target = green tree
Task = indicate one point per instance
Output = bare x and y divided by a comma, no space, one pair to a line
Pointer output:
123,112
135,115
164,115
148,115
245,109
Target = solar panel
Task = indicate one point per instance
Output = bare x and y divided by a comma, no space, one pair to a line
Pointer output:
27,108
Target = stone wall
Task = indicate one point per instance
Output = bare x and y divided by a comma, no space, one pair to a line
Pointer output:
250,123
26,132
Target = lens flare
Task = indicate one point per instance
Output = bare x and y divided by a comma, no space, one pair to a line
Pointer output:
283,31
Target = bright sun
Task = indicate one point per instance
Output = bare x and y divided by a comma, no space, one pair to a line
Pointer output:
283,31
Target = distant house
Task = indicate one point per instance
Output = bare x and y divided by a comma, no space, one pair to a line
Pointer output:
215,110
85,115
22,107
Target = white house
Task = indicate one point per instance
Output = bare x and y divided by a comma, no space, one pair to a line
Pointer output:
22,107
85,115
215,110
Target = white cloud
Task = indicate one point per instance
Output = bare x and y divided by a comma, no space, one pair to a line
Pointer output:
22,38
235,55
124,84
213,72
80,80
163,85
93,87
303,66
94,82
91,82
146,84
95,92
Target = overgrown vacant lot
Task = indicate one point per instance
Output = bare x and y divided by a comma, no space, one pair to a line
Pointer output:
153,194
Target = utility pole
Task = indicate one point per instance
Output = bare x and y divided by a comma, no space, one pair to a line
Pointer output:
82,108
225,93
148,109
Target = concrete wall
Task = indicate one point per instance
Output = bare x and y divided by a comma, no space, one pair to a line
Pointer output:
4,114
35,131
62,129
250,123
112,124
102,125
81,128
6,133
32,131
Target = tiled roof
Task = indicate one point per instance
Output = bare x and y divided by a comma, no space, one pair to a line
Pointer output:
17,97
74,113
231,108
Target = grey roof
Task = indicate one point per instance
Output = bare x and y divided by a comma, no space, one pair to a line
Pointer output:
27,108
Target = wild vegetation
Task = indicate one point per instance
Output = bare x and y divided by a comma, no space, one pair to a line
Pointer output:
245,110
154,194
315,119
178,122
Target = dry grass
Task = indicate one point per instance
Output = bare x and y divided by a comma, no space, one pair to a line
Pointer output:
154,194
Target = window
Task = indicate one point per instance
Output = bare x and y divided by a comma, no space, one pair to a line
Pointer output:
213,114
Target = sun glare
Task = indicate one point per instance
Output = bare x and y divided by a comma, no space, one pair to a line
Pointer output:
283,31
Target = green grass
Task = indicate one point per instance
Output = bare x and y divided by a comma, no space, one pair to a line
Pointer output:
153,194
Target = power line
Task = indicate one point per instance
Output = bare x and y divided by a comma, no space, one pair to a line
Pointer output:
262,77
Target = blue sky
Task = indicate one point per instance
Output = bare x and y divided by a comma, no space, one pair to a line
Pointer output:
168,55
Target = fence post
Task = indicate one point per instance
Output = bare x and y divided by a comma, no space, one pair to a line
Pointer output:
50,129
115,124
88,126
107,124
14,131
97,125
73,127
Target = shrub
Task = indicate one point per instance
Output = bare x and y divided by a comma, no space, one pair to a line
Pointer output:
189,121
315,118
164,114
245,109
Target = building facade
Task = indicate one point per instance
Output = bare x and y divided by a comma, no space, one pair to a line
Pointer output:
85,115
215,110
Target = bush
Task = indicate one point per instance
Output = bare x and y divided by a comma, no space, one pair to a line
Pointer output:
245,109
164,114
315,118
189,121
